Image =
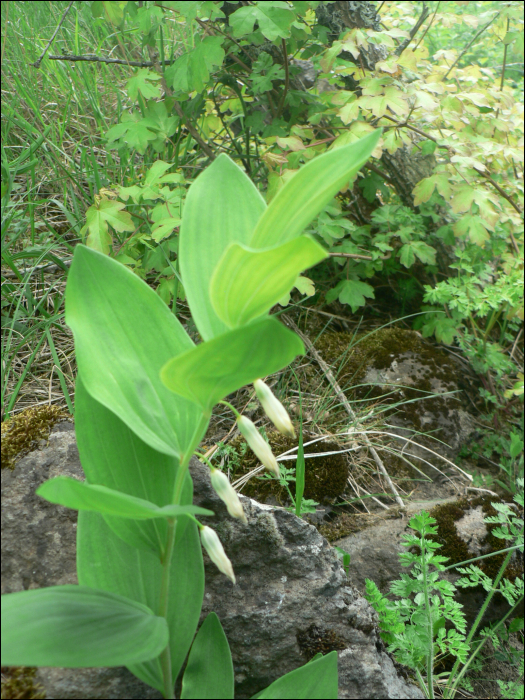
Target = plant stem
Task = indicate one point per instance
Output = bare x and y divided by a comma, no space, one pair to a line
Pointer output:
430,657
165,657
475,627
452,688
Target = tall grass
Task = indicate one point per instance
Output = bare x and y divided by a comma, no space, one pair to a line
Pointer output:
54,160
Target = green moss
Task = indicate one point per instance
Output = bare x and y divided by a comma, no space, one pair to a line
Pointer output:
318,640
21,432
344,525
456,549
325,477
18,682
351,357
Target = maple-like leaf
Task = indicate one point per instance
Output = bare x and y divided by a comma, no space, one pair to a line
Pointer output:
166,124
462,199
349,112
392,99
274,20
424,188
133,133
417,249
192,70
351,292
164,228
141,82
473,226
98,216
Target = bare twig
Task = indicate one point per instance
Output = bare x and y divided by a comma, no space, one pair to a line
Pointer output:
37,63
467,47
286,79
505,196
357,256
428,27
154,56
45,267
422,17
340,395
93,58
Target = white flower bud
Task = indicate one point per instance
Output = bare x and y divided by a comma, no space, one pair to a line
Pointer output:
227,494
260,447
273,408
213,546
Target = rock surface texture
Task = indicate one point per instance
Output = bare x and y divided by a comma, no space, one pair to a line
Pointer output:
292,598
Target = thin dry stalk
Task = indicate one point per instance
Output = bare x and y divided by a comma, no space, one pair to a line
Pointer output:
340,395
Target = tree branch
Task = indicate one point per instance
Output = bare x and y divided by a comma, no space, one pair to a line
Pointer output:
37,63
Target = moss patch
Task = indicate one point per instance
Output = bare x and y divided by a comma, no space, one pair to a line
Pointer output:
352,357
456,549
325,477
21,433
345,524
318,640
18,682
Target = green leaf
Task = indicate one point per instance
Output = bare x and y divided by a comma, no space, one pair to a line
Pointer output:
140,83
274,20
113,456
222,207
315,681
410,251
134,134
209,673
124,334
309,191
123,555
406,255
157,112
473,226
351,292
79,495
214,369
246,283
192,70
78,627
98,216
392,99
299,471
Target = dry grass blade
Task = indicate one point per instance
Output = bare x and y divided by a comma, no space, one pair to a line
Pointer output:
340,395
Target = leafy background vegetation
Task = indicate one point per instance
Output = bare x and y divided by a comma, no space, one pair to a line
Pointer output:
102,151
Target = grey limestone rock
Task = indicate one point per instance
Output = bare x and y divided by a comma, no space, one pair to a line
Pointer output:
292,597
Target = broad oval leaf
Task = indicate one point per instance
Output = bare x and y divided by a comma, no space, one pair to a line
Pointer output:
123,555
222,207
316,680
78,627
124,333
79,495
247,282
214,369
113,455
310,190
209,672
137,574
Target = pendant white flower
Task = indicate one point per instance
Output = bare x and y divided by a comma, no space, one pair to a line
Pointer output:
213,546
273,408
227,494
256,441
